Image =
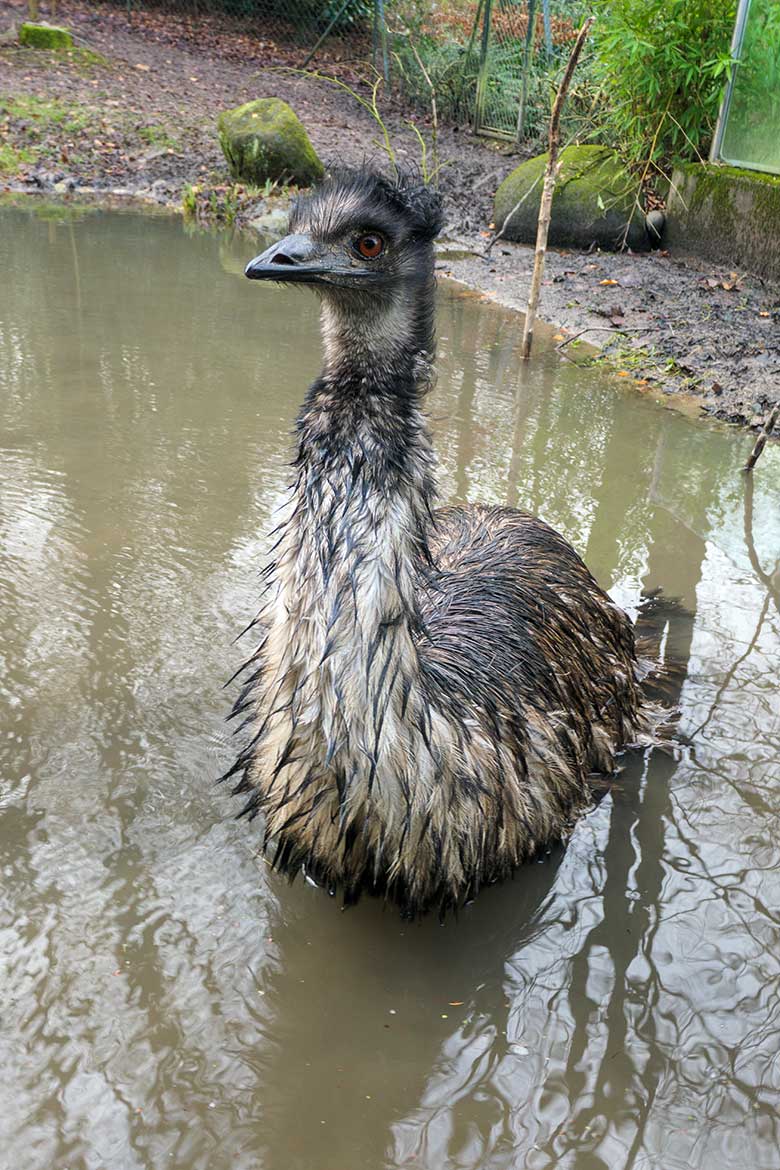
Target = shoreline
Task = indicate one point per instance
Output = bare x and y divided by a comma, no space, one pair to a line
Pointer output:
645,346
137,127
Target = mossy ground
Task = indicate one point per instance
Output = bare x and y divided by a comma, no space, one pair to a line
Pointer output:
56,133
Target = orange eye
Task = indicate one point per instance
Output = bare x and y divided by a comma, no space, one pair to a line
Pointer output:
370,246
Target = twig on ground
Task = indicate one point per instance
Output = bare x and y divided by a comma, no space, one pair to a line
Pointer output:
760,442
550,180
618,329
505,224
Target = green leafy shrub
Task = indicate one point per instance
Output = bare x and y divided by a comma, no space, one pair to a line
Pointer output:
661,66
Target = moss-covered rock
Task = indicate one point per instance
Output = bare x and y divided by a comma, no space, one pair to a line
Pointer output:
44,36
264,140
594,201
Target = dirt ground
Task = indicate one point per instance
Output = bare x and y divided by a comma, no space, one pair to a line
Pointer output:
142,122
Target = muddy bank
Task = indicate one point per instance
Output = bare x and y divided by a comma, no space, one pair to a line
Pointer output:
139,118
673,323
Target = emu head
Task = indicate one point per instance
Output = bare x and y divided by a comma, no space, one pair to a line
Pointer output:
366,244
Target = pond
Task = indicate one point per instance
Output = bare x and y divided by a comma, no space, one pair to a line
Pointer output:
167,1000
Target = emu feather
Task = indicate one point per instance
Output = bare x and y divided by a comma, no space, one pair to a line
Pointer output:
433,688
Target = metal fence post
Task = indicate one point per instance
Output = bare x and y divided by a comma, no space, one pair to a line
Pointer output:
328,30
527,54
482,78
547,28
379,9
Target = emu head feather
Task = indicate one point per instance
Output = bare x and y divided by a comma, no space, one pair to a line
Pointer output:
365,242
356,230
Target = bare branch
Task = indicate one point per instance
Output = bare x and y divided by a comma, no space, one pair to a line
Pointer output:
550,180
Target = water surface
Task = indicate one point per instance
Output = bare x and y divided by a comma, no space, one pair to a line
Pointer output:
166,1000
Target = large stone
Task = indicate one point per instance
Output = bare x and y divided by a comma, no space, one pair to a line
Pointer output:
44,36
594,201
264,140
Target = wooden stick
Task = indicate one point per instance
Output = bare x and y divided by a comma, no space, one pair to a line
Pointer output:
548,190
760,442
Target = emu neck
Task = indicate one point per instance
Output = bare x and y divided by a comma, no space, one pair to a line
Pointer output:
353,553
386,338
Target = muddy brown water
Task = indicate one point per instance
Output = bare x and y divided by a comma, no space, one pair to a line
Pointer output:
165,999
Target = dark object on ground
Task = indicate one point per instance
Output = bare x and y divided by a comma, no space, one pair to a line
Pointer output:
594,204
432,690
656,223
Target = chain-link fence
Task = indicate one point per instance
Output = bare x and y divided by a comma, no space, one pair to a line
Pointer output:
486,63
316,30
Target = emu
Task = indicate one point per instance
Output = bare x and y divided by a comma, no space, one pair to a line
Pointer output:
432,689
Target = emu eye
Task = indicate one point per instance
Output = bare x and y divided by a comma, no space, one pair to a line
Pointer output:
370,245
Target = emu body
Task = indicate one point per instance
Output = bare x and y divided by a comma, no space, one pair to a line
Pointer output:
432,688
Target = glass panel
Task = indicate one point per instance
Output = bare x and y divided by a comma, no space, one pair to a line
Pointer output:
751,134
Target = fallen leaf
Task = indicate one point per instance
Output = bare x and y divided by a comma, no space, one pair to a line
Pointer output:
609,282
146,68
558,337
623,374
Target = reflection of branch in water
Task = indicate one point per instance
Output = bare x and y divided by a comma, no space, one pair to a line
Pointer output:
751,547
733,669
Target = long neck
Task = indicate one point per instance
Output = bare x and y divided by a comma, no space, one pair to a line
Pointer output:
353,553
365,459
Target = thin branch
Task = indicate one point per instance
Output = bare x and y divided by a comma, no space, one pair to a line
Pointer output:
505,224
617,329
760,442
434,112
550,180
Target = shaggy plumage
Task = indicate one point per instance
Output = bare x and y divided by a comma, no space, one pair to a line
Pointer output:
432,689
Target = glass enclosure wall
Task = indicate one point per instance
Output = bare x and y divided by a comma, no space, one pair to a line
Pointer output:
748,133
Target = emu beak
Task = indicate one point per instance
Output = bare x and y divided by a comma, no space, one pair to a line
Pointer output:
296,257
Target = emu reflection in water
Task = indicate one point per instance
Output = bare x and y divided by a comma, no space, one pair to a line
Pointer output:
168,1002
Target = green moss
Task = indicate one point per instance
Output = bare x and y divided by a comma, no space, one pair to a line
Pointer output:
728,214
594,200
157,136
722,174
36,127
84,59
44,36
717,188
42,114
12,159
264,140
